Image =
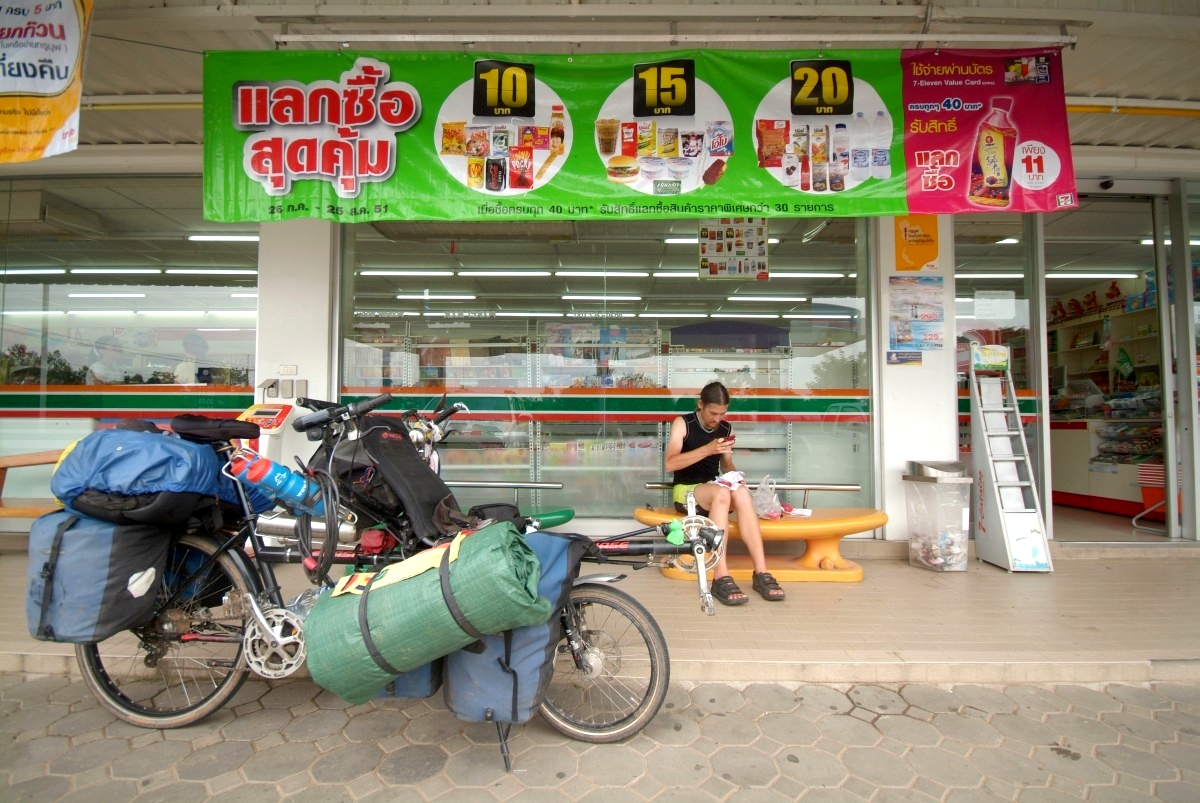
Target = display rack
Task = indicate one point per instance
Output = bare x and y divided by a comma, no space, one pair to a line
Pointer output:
746,368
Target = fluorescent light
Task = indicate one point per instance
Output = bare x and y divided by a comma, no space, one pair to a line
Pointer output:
106,295
767,298
1168,242
696,240
819,317
741,315
406,273
223,238
99,312
1091,275
219,329
673,315
964,317
116,271
601,298
805,275
243,295
529,315
175,313
433,297
675,274
504,273
434,314
31,312
212,272
964,300
31,271
236,313
600,314
989,276
1008,241
604,274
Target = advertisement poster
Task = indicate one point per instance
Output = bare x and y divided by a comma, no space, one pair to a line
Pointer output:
976,137
916,314
916,242
733,248
355,136
41,77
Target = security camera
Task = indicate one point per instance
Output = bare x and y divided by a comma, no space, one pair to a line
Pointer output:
1107,184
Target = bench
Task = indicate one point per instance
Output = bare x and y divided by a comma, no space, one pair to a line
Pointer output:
821,532
26,508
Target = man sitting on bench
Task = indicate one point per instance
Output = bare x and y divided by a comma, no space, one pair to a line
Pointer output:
700,449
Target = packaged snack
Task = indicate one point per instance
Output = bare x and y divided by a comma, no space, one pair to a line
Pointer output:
454,137
791,170
668,142
541,138
713,173
647,138
495,174
475,172
502,138
526,135
479,140
720,138
773,137
520,167
629,139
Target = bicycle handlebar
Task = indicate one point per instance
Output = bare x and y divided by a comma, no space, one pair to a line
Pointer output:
335,412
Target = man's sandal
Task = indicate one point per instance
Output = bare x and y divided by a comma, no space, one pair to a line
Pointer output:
768,587
727,592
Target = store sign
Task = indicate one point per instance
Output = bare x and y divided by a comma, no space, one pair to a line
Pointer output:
354,137
41,77
733,248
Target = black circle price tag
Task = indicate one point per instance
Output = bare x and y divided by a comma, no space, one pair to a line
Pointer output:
503,89
664,88
822,86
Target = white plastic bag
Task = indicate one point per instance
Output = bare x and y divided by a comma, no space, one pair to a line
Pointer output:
766,501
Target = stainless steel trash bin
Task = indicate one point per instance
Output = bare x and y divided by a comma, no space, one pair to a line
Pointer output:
939,515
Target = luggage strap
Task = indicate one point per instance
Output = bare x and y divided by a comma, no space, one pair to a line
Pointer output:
448,597
45,631
365,630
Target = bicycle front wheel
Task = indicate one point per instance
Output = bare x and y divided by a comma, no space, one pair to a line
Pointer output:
613,681
187,662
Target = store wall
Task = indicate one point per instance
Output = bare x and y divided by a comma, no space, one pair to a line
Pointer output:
917,396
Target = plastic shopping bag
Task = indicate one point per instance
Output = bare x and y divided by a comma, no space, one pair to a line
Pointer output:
766,501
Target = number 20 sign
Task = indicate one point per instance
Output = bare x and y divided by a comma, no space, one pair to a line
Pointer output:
822,86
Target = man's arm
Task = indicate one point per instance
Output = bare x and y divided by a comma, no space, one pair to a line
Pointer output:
677,459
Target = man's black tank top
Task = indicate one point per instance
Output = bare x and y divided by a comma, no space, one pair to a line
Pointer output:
708,468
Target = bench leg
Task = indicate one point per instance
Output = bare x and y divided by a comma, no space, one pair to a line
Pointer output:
822,561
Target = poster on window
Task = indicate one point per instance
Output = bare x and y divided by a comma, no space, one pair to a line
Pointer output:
916,313
42,47
733,248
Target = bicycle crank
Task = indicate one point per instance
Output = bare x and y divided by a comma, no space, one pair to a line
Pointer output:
273,641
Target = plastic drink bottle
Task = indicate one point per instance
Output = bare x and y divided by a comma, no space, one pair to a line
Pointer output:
881,146
279,482
841,147
992,159
861,142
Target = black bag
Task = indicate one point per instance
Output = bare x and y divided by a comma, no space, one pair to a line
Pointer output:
90,579
506,681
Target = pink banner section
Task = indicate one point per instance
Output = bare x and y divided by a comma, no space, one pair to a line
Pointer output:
986,131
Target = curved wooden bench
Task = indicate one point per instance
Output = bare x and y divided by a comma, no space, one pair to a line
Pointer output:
821,532
26,508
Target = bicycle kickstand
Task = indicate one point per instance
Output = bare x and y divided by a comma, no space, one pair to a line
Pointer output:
699,553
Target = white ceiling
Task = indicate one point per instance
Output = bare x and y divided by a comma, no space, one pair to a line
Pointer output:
142,113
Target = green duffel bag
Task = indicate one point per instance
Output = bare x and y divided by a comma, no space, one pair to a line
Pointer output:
371,628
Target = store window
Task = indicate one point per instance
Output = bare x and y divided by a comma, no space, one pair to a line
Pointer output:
108,310
574,344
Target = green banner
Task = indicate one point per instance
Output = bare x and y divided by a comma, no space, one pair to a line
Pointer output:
355,137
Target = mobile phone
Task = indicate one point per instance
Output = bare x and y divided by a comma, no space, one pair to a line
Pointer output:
730,439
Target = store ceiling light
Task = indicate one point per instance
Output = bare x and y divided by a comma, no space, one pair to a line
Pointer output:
31,271
820,317
600,297
518,273
406,273
171,313
600,314
106,295
435,297
673,315
742,315
767,298
1168,242
989,276
211,272
805,275
1092,275
529,314
223,238
696,240
243,295
1008,241
234,313
115,271
675,274
108,312
604,274
31,312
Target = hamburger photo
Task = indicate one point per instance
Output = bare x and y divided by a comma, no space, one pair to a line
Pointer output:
623,169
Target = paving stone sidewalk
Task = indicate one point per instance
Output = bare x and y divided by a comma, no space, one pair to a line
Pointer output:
288,740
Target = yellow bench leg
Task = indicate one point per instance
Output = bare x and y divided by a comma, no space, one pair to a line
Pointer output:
822,561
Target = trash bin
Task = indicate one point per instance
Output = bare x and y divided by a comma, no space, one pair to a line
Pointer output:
939,515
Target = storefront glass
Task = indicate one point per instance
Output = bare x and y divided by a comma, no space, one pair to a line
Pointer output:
575,344
106,309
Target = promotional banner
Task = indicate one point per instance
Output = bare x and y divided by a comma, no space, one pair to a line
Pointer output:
41,76
355,137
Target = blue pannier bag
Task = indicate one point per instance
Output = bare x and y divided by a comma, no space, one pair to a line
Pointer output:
127,476
506,681
90,579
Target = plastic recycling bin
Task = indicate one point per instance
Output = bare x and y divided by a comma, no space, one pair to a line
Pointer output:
939,515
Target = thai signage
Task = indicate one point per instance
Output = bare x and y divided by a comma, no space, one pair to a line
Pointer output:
356,137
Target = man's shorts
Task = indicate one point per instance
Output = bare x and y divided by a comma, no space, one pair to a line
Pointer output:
679,497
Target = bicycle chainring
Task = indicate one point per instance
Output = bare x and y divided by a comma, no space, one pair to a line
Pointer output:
279,653
691,527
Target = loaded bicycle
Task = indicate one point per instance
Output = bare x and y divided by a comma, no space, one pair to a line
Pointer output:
220,613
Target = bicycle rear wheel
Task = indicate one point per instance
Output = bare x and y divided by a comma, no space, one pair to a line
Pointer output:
187,662
615,683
